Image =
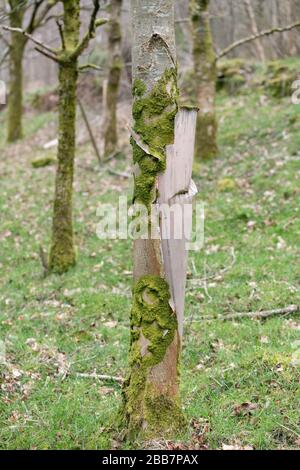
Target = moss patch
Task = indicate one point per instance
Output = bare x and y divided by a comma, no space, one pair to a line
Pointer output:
154,115
153,323
44,161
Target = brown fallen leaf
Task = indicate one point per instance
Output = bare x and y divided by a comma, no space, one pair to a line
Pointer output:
244,409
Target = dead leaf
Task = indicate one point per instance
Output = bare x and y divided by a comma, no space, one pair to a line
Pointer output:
244,409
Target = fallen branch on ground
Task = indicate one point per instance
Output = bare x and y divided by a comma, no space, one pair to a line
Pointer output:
102,377
255,315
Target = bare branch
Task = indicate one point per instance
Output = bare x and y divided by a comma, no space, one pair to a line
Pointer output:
32,38
3,38
102,377
90,132
268,32
38,20
4,56
46,54
94,24
84,67
31,25
61,33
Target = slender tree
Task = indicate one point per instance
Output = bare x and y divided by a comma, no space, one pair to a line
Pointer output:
114,75
254,29
34,13
62,252
15,100
163,162
205,75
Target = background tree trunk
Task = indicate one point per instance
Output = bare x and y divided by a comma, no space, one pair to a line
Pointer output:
205,76
62,253
254,29
114,75
15,99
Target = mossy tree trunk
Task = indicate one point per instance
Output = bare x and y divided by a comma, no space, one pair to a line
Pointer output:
205,76
15,99
151,395
62,253
115,70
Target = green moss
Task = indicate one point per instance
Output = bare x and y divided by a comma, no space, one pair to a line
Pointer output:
233,74
154,115
153,320
153,316
139,88
42,162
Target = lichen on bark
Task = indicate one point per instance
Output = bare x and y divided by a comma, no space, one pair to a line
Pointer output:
205,76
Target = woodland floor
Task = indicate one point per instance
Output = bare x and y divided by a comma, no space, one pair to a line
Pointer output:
240,380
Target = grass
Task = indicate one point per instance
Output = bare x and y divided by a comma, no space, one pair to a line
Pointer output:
56,327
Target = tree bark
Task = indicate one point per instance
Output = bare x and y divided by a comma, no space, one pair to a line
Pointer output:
115,70
15,98
254,29
205,76
62,253
151,391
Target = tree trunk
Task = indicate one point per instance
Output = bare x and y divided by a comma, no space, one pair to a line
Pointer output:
205,76
151,391
254,29
115,70
15,99
62,253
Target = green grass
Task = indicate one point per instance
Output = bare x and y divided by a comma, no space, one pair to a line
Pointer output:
57,327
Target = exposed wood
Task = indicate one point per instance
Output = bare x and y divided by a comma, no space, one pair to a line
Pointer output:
176,188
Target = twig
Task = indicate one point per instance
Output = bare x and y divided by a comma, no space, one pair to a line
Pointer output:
49,56
4,56
121,174
61,33
205,285
93,25
32,38
83,67
102,377
221,272
255,315
44,260
112,156
89,129
268,32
